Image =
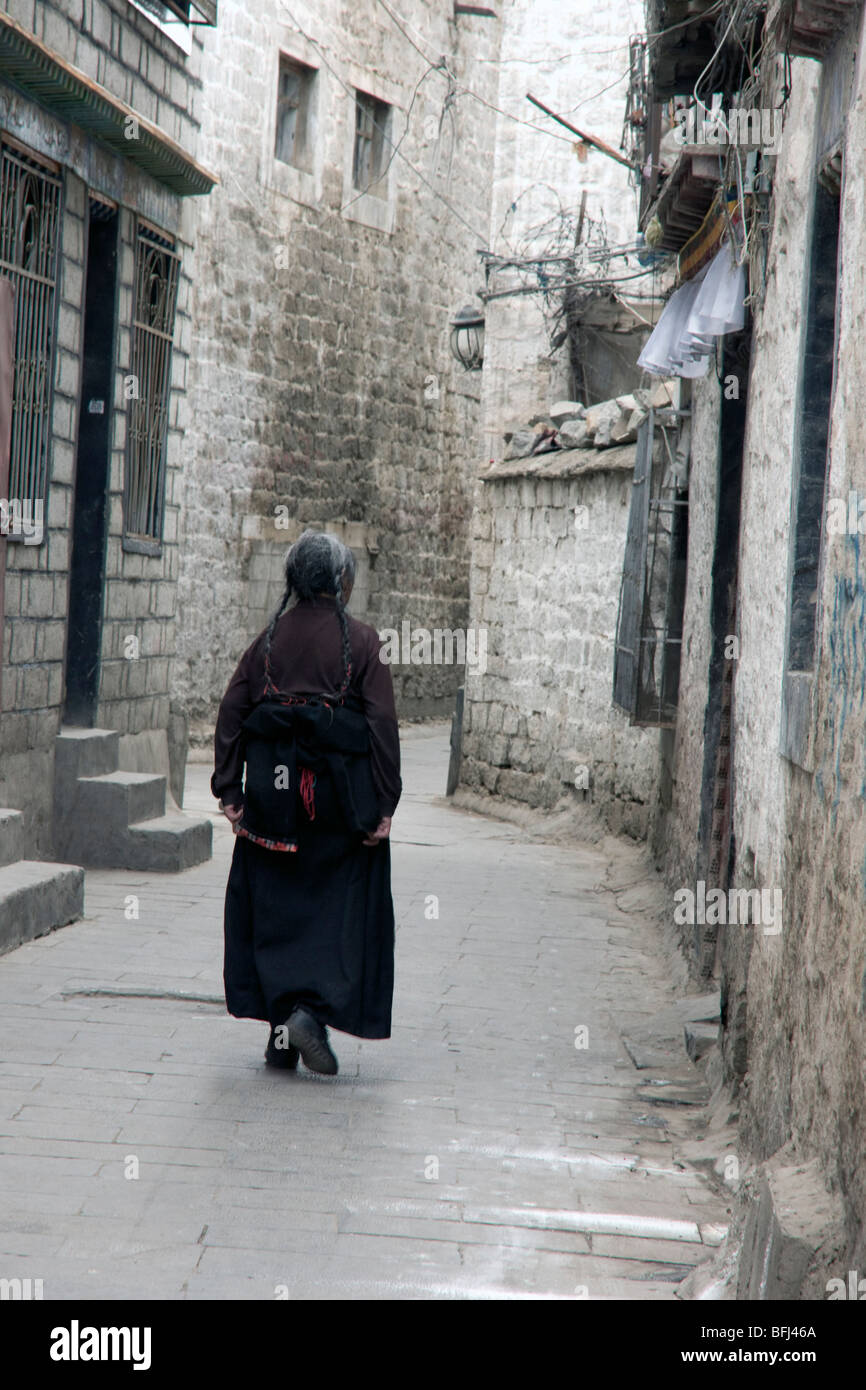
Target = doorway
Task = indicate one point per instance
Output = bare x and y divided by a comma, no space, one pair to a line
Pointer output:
92,469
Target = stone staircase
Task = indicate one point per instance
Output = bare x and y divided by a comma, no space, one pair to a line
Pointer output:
35,897
109,819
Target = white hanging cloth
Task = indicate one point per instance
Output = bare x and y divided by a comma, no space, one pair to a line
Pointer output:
701,310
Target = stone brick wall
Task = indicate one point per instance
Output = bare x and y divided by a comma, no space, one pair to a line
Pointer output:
115,45
571,57
796,1000
321,376
539,725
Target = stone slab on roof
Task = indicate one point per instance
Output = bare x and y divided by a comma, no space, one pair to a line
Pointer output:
564,463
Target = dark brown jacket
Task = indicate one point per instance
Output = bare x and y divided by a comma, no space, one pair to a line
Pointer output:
306,659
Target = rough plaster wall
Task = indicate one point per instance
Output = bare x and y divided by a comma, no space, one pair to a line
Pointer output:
807,988
768,973
322,375
547,594
566,55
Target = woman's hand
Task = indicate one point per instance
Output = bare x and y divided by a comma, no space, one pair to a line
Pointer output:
232,813
382,831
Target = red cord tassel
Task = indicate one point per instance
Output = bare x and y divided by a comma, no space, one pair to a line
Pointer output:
308,786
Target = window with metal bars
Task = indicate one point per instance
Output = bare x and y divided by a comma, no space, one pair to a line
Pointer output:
30,198
372,137
649,629
157,267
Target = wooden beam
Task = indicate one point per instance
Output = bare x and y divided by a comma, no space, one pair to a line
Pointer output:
581,135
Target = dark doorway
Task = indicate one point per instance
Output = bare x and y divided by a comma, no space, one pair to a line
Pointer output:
716,848
90,516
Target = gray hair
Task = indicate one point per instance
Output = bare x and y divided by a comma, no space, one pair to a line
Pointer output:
317,563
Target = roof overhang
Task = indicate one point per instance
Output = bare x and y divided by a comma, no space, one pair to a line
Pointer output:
72,96
808,28
194,11
685,198
683,43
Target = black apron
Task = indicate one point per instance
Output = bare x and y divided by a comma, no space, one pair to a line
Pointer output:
314,924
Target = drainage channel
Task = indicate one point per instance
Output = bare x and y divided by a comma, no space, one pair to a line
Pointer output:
184,996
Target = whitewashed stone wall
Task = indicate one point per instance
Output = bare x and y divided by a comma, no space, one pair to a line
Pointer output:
322,379
541,719
801,831
573,58
539,725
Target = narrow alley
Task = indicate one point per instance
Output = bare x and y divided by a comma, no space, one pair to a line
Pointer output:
500,1145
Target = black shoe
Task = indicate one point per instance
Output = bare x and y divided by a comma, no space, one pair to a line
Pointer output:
308,1035
281,1053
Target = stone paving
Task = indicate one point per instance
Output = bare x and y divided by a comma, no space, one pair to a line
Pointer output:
147,1152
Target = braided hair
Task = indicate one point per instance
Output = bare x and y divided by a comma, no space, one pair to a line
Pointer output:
317,563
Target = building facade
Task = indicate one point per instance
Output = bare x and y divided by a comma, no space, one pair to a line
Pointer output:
354,150
549,528
763,804
99,126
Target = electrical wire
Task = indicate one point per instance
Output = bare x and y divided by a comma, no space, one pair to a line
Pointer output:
383,132
396,150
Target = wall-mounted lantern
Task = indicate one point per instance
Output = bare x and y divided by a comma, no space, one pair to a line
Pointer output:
467,338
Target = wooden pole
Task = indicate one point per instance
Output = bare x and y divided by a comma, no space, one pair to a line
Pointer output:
581,135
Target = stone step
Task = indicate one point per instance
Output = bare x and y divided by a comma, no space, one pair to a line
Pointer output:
121,797
169,844
37,897
11,836
85,753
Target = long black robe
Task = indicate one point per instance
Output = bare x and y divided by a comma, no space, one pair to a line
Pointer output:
316,925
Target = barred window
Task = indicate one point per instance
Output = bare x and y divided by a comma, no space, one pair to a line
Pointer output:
29,234
157,265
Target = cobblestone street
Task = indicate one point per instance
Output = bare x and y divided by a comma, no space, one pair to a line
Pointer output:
479,1153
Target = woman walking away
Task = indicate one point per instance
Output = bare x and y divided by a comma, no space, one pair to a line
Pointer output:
307,769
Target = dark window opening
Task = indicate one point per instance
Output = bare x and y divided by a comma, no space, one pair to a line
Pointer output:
372,140
816,386
292,143
649,629
187,11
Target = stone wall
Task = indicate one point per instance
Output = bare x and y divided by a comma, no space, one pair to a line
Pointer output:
796,1039
118,47
539,726
322,379
573,58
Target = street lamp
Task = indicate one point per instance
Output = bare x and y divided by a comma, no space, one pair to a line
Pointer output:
467,338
